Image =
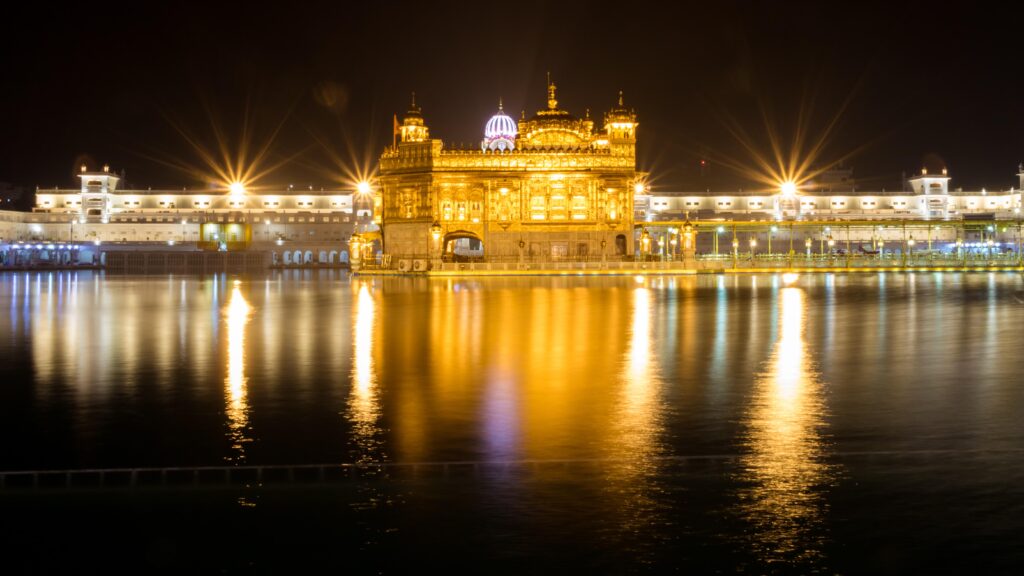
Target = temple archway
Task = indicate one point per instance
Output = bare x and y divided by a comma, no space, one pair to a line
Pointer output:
462,246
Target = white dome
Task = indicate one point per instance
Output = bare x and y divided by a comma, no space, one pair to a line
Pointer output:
500,132
500,125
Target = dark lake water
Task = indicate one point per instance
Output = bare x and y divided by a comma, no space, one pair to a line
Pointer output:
742,424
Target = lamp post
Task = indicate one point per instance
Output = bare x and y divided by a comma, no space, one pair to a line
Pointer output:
435,234
645,243
753,246
735,249
718,231
770,234
807,245
910,249
355,258
831,246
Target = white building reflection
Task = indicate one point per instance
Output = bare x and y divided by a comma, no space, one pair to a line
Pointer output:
784,472
237,316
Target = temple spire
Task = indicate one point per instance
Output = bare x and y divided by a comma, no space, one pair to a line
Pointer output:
500,105
620,97
552,102
413,104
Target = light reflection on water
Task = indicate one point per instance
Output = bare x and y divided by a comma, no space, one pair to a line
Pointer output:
622,378
237,316
363,406
784,473
636,427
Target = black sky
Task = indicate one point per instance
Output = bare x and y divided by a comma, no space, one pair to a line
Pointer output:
925,83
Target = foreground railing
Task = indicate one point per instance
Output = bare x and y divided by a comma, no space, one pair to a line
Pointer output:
311,474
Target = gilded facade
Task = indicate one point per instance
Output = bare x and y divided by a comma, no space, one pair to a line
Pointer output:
548,187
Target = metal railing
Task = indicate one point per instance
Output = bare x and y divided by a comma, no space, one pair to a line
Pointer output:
306,474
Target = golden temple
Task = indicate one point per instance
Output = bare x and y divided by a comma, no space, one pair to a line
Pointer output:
547,187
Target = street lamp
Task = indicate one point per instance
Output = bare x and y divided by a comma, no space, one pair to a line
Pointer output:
770,234
645,242
753,245
718,231
735,247
807,245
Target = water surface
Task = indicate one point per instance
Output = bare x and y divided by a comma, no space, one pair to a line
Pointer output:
827,423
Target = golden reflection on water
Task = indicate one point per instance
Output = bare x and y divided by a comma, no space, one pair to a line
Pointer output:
638,416
636,424
363,408
784,471
237,316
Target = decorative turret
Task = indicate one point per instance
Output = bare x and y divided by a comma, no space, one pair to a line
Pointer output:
930,184
413,128
97,190
620,128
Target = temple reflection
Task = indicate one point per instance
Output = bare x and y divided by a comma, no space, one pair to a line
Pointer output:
237,316
784,472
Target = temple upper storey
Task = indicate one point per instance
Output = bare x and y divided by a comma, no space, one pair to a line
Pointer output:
551,138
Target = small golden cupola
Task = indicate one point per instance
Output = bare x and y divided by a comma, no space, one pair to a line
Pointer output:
620,122
553,127
413,128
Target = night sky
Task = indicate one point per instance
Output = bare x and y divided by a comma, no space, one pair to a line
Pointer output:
924,84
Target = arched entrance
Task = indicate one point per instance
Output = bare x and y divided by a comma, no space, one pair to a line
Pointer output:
462,246
620,245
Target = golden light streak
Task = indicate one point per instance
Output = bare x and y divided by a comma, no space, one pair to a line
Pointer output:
787,161
352,170
228,160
